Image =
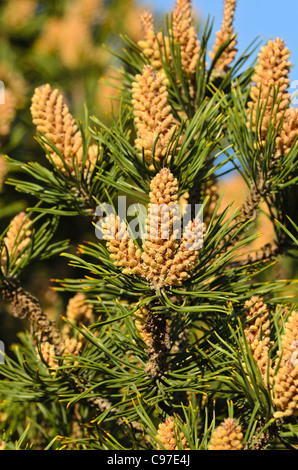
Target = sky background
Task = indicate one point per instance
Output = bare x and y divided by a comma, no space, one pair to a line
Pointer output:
253,18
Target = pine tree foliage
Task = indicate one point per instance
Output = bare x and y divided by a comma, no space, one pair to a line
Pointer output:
168,341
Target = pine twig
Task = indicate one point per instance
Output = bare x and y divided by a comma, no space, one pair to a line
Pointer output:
25,305
159,344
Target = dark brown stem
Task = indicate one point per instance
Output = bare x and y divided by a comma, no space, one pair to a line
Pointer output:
250,206
266,253
25,305
157,328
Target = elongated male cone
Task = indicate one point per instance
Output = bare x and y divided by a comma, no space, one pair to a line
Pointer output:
269,94
154,45
52,117
285,389
257,331
226,32
184,33
154,121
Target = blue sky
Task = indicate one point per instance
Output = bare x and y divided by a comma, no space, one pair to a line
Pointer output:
253,18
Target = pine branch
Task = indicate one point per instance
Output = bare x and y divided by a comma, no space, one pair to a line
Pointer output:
26,306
